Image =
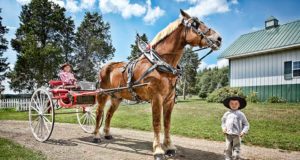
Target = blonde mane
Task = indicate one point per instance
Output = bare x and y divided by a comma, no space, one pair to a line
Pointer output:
166,31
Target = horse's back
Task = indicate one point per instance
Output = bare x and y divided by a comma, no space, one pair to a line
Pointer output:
109,72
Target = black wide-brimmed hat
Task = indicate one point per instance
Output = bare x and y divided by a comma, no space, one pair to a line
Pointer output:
64,65
242,101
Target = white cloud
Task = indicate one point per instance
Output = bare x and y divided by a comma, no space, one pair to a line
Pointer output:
234,1
7,90
202,65
22,2
152,13
180,0
76,6
85,4
202,8
190,1
123,7
72,6
61,3
220,64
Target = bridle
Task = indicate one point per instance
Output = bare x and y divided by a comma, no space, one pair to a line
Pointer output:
193,23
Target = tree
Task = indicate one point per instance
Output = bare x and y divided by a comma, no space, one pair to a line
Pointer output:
189,62
40,44
93,46
135,52
3,48
209,80
67,40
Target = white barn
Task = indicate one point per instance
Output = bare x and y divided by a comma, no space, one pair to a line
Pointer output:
267,61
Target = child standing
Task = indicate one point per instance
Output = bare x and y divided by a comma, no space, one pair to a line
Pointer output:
234,125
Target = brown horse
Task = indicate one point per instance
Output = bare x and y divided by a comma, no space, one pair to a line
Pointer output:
160,91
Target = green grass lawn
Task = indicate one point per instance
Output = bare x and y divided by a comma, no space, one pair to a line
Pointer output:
11,150
271,125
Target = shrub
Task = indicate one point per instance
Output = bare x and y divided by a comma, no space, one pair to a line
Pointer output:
252,97
275,99
220,94
202,94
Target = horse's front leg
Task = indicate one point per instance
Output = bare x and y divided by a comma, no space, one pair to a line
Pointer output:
113,107
101,99
167,109
157,104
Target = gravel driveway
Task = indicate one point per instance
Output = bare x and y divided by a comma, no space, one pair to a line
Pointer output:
68,141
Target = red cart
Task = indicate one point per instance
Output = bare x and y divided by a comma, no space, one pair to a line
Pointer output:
46,100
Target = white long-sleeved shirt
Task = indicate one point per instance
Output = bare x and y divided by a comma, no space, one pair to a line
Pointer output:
235,122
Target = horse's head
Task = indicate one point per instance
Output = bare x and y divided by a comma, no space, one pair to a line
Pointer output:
198,34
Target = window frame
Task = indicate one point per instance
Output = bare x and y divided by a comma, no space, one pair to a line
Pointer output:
293,68
288,76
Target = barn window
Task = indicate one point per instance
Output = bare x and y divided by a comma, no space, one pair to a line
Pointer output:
296,69
288,70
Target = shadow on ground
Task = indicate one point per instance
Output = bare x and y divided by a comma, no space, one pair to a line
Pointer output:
61,142
145,148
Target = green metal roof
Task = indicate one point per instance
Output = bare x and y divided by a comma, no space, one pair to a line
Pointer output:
282,36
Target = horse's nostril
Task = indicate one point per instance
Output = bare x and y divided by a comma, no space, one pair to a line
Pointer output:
219,39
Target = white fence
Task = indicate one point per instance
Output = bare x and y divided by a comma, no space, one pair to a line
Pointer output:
21,104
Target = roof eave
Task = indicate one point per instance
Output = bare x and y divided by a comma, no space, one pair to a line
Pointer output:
263,51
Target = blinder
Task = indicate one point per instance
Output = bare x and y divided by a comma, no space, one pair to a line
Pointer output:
193,23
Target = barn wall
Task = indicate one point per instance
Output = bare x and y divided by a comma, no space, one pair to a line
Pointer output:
265,74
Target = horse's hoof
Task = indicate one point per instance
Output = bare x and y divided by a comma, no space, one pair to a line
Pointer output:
159,157
109,137
170,153
96,140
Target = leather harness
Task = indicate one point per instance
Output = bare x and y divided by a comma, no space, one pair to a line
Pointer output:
157,62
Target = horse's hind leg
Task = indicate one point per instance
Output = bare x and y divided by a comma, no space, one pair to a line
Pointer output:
101,99
113,107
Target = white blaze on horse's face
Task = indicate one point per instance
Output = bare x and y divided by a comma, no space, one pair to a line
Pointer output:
216,39
209,37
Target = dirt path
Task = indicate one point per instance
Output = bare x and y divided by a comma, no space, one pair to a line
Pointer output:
68,141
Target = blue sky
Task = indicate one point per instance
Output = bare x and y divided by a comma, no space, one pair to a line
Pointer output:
230,18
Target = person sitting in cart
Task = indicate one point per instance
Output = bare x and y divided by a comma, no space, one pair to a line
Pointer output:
67,77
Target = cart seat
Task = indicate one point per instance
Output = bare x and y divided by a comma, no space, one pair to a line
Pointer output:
87,86
61,91
54,83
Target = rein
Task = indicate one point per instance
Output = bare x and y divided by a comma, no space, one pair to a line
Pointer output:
208,53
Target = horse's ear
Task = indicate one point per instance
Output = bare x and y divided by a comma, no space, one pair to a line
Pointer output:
184,14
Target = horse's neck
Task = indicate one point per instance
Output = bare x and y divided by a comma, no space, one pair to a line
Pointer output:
171,48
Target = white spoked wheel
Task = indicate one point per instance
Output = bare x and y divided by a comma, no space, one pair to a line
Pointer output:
86,117
41,115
